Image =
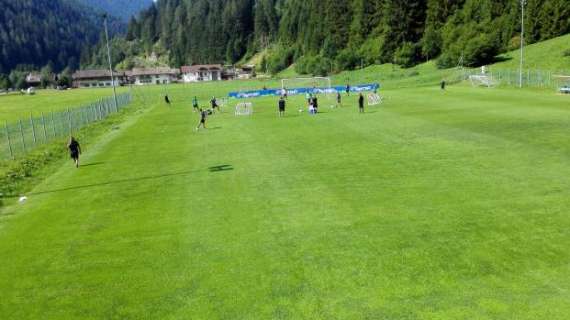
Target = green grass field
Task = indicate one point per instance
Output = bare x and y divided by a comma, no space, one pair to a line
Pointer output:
433,206
16,106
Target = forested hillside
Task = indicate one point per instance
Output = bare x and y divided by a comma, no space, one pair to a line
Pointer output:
330,34
38,33
123,9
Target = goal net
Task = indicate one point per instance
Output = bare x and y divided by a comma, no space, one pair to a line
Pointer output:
563,83
244,109
318,86
374,99
482,81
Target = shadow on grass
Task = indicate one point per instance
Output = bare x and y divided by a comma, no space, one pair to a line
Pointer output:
220,168
92,164
121,181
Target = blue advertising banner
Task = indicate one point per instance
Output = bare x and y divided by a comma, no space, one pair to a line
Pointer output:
298,91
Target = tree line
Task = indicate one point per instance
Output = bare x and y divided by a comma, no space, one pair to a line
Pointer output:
327,35
48,34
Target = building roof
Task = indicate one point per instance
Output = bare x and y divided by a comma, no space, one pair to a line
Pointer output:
201,67
152,71
33,77
94,74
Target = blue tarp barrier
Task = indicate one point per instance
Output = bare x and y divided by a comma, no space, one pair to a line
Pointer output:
298,91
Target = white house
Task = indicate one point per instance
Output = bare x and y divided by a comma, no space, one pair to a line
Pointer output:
144,76
206,72
96,78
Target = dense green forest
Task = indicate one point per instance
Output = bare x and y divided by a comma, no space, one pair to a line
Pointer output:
123,9
320,35
48,34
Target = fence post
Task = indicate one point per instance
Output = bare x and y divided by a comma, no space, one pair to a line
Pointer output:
22,134
8,138
44,126
53,125
33,127
70,121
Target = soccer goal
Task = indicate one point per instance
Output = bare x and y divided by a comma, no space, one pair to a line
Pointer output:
483,80
244,109
563,83
317,84
374,99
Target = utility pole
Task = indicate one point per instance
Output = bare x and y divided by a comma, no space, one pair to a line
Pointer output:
523,3
110,63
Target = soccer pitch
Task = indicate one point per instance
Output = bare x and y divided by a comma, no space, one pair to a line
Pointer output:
435,205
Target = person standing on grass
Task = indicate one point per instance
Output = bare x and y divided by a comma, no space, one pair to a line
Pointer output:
361,103
338,99
74,150
167,100
443,84
347,89
316,104
214,104
281,107
203,116
195,104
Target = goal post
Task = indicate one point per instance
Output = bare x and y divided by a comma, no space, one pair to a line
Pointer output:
374,99
562,83
244,109
314,83
483,80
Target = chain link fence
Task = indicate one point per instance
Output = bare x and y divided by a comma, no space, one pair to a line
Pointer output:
530,78
18,138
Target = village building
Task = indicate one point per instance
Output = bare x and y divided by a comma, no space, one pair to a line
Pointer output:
97,78
147,76
207,72
246,72
34,79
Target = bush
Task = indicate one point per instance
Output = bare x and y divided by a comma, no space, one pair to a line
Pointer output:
314,65
566,53
348,59
280,59
370,50
407,55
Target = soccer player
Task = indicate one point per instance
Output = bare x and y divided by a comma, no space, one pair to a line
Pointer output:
443,84
74,150
309,98
347,89
281,107
214,104
195,104
167,100
316,104
338,99
361,103
203,116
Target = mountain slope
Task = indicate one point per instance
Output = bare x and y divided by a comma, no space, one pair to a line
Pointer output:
36,33
318,34
553,55
123,9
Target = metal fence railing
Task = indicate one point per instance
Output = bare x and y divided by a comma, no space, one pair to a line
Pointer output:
530,78
24,135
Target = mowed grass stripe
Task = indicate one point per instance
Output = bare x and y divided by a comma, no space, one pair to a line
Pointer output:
391,214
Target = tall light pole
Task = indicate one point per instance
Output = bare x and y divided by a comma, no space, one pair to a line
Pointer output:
110,64
523,3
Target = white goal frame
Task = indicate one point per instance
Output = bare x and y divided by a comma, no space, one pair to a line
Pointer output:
244,109
316,80
482,80
374,99
563,83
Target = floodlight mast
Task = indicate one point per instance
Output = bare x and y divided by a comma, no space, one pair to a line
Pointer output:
109,58
523,3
